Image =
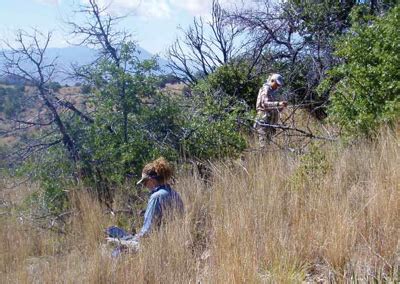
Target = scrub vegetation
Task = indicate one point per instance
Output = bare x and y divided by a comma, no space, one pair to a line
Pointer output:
319,204
262,218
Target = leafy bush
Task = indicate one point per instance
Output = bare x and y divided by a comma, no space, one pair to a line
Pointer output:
205,127
212,127
132,122
11,100
55,86
55,173
367,94
85,89
313,167
168,79
233,79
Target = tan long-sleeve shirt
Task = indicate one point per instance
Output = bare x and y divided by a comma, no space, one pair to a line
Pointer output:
266,100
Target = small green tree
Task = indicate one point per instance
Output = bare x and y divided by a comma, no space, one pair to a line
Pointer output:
233,79
367,94
212,127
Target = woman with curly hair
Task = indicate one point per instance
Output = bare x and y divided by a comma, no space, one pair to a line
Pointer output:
163,199
164,203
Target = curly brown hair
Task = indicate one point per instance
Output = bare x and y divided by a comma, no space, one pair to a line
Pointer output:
160,169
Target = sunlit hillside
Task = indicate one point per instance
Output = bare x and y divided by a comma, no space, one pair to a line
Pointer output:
277,122
330,215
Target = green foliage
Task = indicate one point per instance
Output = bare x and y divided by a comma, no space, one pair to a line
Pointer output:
219,105
212,129
168,79
116,143
11,100
132,122
233,79
202,128
367,95
319,18
315,24
314,165
156,123
85,89
55,173
55,86
115,158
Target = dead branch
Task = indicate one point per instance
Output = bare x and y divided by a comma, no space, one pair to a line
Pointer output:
307,134
205,46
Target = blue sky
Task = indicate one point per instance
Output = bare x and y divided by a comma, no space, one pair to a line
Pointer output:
154,23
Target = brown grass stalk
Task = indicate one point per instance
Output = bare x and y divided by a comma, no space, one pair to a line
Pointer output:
331,215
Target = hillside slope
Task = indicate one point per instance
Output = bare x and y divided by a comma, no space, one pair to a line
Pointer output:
328,216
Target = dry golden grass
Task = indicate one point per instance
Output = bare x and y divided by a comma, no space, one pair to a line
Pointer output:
331,215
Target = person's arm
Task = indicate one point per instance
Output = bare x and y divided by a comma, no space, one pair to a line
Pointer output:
267,103
149,216
259,106
271,105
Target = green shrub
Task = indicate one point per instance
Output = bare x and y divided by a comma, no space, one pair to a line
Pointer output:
11,100
55,86
212,128
55,174
314,166
367,95
85,89
234,80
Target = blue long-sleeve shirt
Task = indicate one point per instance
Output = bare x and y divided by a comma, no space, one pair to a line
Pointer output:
163,198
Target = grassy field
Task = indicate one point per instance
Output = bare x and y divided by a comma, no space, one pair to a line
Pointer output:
331,215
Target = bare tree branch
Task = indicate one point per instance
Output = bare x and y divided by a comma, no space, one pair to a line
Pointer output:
205,46
26,60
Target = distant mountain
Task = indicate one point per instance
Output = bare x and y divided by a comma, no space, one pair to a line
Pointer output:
83,55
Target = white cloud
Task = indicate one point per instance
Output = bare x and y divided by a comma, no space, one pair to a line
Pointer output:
143,8
203,7
155,8
194,7
50,2
161,9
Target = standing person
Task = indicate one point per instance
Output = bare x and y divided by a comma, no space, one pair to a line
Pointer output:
164,203
268,107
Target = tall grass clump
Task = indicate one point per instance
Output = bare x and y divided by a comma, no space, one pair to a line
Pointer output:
329,215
